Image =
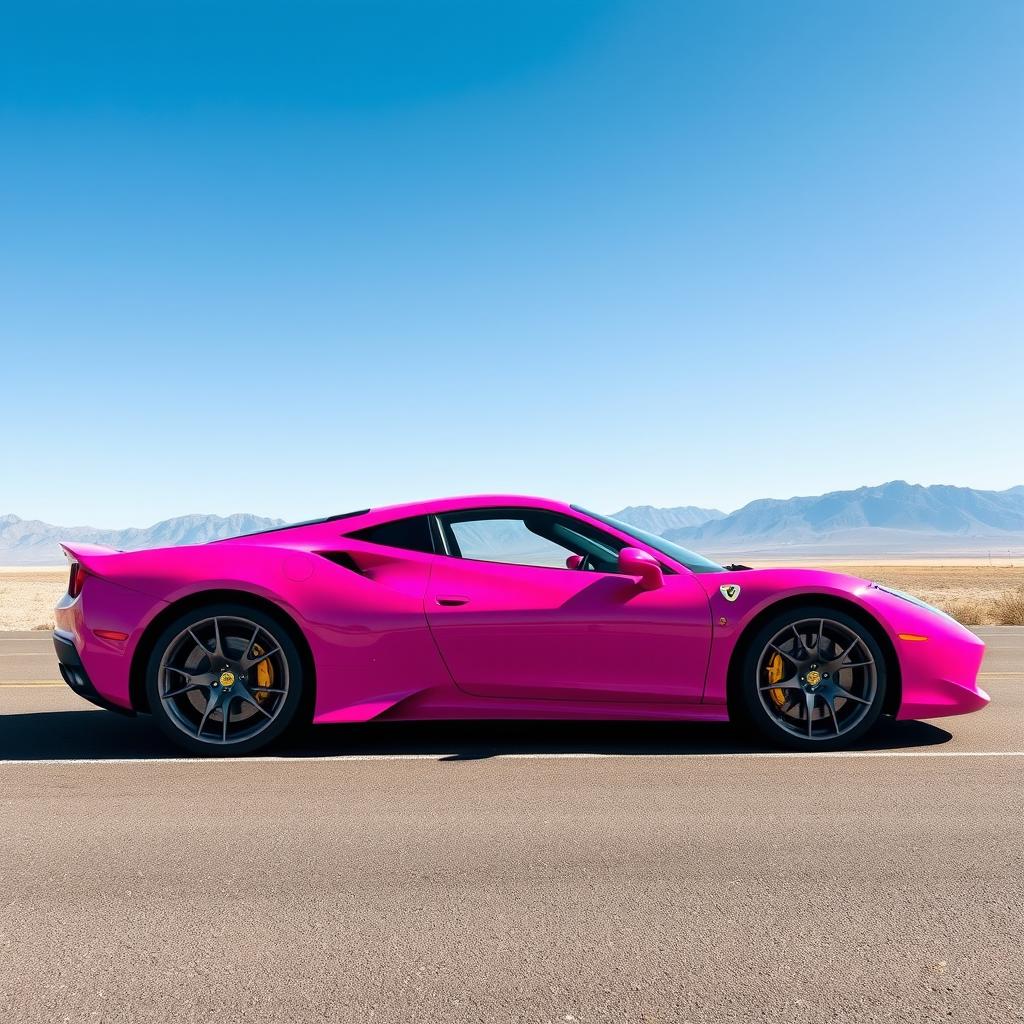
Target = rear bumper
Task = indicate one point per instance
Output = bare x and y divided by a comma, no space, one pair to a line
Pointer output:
74,674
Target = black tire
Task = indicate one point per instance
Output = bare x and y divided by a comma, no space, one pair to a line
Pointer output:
821,701
258,713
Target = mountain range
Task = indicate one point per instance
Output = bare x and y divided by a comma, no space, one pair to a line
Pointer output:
31,542
661,520
894,518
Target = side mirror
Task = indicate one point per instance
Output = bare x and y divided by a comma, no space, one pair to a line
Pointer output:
574,561
634,562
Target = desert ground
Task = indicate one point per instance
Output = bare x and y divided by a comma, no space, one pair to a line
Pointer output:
977,593
27,596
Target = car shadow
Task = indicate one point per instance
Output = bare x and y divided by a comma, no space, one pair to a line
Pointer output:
102,735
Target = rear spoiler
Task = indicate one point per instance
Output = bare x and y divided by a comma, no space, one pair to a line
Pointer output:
87,554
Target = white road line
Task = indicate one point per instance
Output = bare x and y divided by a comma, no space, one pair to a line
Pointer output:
326,758
34,686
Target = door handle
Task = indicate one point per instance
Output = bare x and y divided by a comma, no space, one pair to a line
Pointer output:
451,600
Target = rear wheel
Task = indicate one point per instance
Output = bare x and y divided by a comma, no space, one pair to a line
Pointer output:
813,679
224,679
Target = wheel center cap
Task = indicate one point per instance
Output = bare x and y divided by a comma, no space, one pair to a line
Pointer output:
227,679
812,678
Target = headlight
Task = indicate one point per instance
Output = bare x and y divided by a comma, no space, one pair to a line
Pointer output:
912,600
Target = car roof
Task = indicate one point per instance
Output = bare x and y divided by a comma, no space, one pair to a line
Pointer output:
352,521
454,504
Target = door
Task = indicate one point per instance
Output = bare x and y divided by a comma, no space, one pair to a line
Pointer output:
512,620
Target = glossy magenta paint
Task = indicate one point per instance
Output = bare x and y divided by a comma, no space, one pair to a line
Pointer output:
420,636
526,632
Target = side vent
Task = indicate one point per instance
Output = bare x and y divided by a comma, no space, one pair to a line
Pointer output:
342,558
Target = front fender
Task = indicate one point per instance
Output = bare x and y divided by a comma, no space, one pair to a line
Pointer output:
759,590
938,658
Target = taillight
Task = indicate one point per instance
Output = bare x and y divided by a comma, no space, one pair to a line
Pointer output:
77,579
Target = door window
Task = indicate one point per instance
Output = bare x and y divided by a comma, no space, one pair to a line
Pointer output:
529,537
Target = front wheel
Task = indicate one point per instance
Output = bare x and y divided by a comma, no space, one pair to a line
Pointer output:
224,679
813,678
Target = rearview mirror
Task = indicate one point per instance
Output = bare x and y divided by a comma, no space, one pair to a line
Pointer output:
634,562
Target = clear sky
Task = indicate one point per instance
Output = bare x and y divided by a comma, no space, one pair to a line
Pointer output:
300,258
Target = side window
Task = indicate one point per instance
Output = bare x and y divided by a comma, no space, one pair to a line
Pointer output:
506,540
413,534
526,537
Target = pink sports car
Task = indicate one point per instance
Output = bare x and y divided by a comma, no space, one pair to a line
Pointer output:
495,607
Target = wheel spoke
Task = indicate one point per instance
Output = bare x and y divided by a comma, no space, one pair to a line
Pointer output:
832,709
785,684
821,637
196,681
809,700
181,690
253,662
211,704
226,714
859,664
846,653
218,647
779,650
199,643
840,692
252,642
249,699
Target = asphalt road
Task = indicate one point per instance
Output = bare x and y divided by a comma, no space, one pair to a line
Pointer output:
508,872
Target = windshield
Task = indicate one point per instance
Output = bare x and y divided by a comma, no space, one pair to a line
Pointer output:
692,561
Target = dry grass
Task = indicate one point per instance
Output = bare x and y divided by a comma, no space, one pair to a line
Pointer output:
976,595
970,612
1009,608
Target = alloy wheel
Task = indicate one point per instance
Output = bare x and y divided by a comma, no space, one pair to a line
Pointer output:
817,679
223,680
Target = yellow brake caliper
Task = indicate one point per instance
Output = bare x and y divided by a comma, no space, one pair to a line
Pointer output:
774,669
264,674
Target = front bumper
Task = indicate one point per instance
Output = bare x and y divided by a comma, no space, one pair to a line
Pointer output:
939,659
74,674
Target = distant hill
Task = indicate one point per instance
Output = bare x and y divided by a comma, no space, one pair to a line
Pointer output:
660,520
31,542
892,517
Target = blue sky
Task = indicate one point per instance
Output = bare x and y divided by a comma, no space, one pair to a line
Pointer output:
299,258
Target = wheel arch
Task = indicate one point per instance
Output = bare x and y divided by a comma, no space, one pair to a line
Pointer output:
143,650
894,679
